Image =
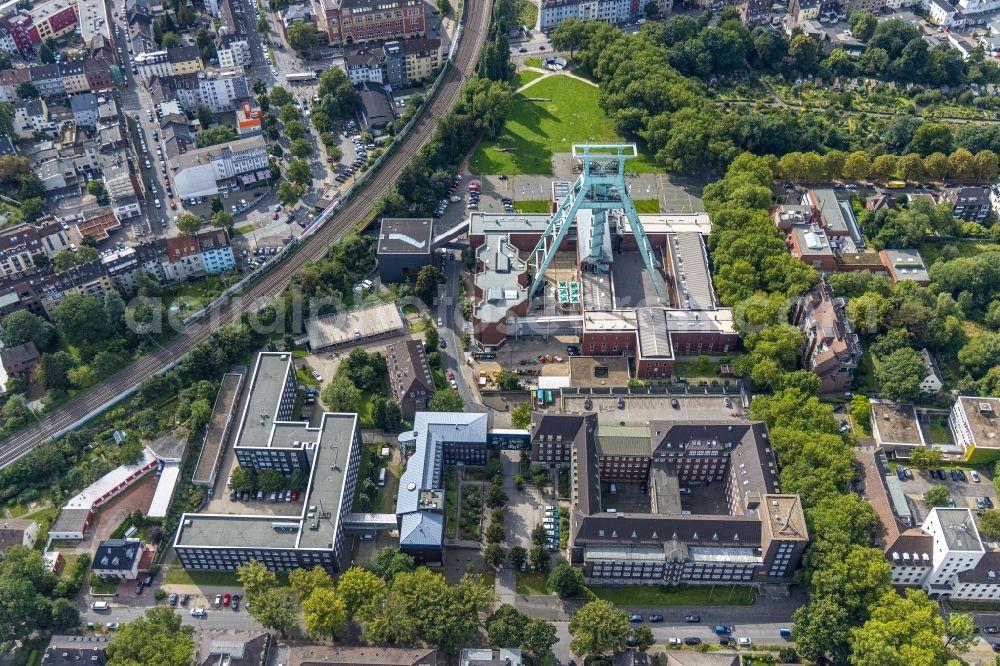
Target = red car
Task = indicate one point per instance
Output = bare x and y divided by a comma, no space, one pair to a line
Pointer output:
542,47
329,160
295,495
173,206
274,216
225,599
451,375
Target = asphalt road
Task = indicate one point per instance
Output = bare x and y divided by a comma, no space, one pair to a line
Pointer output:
347,218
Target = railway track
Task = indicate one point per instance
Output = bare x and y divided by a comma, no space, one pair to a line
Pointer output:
347,218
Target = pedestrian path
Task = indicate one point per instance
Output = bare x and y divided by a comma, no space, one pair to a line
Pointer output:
546,73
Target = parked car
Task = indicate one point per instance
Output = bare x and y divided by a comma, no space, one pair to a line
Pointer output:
621,403
218,601
991,630
112,625
744,641
226,599
184,599
692,618
635,617
235,603
975,475
656,617
172,599
692,640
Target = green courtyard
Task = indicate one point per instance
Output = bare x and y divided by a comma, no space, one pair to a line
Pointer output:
549,117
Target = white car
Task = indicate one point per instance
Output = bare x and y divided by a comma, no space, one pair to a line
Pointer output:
676,641
744,642
318,377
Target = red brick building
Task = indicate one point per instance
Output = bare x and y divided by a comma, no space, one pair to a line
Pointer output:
357,21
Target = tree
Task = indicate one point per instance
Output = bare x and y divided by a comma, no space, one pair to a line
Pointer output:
539,636
242,479
426,284
53,371
899,374
861,411
932,138
341,395
822,629
299,172
188,223
570,35
989,523
925,457
883,167
223,220
517,555
494,555
65,615
863,25
324,613
68,258
539,558
445,400
936,166
271,609
301,37
508,381
598,628
857,166
431,338
986,165
520,416
911,167
114,308
304,581
22,326
358,588
255,578
962,165
421,604
566,580
805,51
538,535
505,626
937,496
900,630
961,632
301,148
27,90
81,318
390,561
205,116
170,40
156,638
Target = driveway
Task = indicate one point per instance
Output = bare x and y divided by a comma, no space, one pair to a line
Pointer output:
138,497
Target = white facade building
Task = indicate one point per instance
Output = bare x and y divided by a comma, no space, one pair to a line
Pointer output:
198,172
974,424
234,52
553,12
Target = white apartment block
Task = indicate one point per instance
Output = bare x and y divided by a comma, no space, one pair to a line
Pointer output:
553,12
961,567
198,173
974,425
235,52
220,93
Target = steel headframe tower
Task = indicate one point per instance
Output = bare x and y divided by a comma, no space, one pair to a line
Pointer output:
601,187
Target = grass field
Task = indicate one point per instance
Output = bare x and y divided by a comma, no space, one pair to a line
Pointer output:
533,62
681,595
245,229
532,582
549,118
177,575
532,206
527,76
647,206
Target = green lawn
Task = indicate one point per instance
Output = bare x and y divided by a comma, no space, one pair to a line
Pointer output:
549,118
931,252
305,376
527,76
940,433
533,206
440,382
527,13
533,62
365,409
681,595
532,582
245,229
177,575
647,206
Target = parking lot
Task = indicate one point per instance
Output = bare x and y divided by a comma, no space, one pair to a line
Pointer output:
964,493
640,409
